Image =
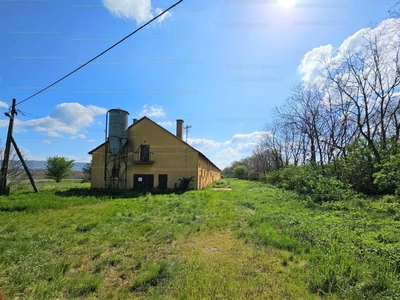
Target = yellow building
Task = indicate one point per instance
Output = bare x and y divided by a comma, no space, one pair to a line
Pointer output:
145,155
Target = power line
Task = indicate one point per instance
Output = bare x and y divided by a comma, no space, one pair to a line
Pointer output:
97,56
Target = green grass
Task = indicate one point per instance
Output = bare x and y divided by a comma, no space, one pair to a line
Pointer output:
254,242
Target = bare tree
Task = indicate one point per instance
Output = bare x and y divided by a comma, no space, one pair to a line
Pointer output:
394,11
16,173
284,143
368,83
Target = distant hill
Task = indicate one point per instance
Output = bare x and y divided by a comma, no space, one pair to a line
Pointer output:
38,164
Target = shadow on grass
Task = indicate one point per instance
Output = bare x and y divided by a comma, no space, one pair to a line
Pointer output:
111,193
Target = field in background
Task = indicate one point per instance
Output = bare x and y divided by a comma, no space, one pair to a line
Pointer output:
253,242
41,174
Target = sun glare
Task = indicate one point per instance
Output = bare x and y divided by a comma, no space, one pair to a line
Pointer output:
287,3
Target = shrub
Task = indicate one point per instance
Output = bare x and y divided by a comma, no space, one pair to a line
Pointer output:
240,172
87,172
309,181
357,168
253,175
184,184
387,178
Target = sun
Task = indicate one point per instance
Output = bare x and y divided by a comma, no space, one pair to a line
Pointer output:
287,3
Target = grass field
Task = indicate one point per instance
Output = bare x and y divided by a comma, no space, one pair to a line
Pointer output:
253,242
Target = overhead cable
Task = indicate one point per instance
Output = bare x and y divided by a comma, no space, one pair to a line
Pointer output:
97,56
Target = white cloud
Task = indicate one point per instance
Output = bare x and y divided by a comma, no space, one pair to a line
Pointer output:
224,153
229,152
248,138
78,136
203,144
4,122
3,104
139,10
67,118
166,123
163,17
312,65
154,111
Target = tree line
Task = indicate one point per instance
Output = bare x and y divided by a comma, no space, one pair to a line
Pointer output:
344,125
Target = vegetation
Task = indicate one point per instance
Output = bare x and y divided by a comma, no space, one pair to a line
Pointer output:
184,184
58,168
240,172
343,126
252,242
16,173
87,172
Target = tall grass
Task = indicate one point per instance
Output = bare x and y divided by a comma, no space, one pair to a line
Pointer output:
254,242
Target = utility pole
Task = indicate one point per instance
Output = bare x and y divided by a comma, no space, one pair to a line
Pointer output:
4,168
187,131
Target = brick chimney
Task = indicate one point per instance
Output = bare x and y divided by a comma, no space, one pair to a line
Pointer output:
179,129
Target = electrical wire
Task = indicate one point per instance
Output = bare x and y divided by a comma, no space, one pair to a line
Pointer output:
97,56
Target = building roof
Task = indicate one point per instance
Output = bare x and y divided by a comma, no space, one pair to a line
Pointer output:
168,132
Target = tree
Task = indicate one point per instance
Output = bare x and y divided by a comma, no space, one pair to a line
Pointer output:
58,168
367,79
16,173
394,11
87,172
240,172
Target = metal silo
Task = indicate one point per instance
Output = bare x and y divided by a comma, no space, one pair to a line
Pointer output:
117,129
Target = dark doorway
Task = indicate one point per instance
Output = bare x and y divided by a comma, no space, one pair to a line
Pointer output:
143,182
162,181
144,152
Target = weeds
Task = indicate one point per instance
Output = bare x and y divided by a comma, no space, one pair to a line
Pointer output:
255,241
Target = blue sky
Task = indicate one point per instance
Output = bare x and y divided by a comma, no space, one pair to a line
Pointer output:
220,65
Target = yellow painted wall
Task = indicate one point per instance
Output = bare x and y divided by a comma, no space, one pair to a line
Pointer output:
207,172
97,180
171,156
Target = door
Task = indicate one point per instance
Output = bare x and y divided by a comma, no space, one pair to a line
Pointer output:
144,152
143,182
162,181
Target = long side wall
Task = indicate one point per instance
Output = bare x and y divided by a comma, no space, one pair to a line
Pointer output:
207,172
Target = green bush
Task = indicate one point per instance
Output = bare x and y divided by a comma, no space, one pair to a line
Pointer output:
240,172
387,178
357,168
253,175
309,181
184,184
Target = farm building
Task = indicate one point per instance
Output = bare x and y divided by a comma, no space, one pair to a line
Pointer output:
144,155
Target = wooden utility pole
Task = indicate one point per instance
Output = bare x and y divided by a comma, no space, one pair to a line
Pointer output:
4,167
4,190
24,165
